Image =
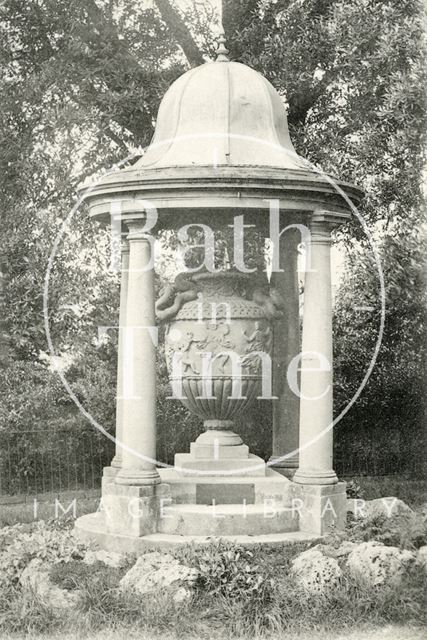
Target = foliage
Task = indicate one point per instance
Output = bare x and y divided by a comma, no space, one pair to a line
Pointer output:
387,422
353,604
81,82
354,490
75,574
38,401
22,543
413,492
356,101
353,76
41,432
407,533
231,571
215,610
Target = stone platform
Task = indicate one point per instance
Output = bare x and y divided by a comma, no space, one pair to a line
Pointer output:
268,509
92,529
189,464
233,489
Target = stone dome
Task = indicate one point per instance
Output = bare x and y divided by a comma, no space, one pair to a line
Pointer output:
221,144
221,113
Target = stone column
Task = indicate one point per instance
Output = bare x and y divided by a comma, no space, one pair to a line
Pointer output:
139,366
286,347
315,464
117,460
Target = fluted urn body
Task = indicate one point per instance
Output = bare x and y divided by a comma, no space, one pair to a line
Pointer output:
218,344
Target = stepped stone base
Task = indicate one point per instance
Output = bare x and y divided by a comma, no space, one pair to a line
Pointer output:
191,489
227,519
188,464
91,528
247,509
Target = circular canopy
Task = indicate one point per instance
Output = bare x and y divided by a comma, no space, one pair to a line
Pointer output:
221,142
221,113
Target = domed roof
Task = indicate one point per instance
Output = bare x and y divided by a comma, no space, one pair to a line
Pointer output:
221,113
221,143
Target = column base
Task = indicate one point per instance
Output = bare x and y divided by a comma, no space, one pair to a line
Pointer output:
323,509
315,476
286,467
133,510
116,462
108,476
137,477
109,472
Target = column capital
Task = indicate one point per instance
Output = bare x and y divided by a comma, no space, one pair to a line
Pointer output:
322,223
137,231
329,219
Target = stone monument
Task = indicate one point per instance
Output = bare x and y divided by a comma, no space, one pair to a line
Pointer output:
222,150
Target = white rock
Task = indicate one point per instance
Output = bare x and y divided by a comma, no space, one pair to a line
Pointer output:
316,573
345,548
109,558
421,558
35,578
156,570
336,552
380,507
387,507
182,595
375,564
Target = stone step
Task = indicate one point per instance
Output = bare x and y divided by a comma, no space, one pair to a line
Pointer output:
91,529
188,465
232,490
219,452
227,519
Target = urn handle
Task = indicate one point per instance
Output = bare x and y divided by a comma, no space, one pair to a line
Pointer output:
186,289
268,298
174,296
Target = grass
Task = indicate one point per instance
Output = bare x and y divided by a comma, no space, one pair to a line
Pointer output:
207,618
283,611
46,509
228,601
390,632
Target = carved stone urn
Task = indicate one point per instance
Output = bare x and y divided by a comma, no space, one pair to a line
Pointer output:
218,346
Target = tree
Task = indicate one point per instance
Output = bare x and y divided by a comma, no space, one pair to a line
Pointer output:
80,86
386,425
